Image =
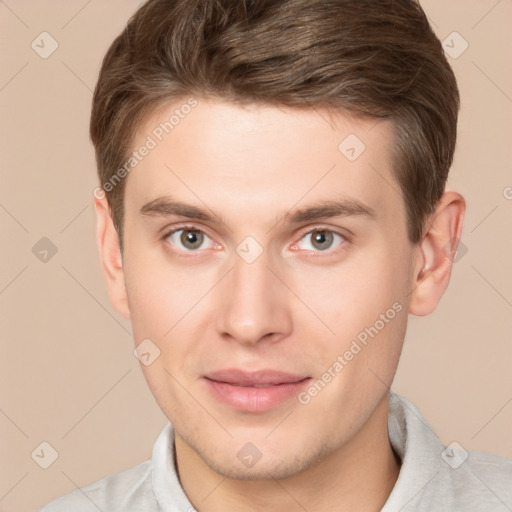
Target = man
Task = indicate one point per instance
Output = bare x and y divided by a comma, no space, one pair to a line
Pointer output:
271,208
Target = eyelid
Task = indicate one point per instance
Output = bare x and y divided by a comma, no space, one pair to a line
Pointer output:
309,230
188,227
320,227
301,235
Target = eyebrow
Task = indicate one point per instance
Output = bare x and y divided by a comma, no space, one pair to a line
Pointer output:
345,207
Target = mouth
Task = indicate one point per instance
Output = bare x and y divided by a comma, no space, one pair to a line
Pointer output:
256,391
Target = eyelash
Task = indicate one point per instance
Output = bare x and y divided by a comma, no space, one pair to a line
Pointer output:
328,252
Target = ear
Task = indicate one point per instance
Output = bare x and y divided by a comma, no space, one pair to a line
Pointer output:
436,252
111,258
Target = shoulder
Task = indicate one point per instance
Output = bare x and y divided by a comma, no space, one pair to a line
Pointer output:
484,473
434,476
470,480
129,490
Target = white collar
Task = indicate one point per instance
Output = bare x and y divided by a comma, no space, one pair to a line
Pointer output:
411,436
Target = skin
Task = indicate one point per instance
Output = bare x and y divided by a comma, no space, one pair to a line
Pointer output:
296,308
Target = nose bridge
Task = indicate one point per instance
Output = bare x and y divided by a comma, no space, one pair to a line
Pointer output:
254,302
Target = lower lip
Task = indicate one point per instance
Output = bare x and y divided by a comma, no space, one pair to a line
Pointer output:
252,399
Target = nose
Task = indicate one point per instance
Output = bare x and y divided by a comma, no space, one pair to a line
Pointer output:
254,303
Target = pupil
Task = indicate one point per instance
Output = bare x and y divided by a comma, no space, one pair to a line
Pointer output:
322,237
191,239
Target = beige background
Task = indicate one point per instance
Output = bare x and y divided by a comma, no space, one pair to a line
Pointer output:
67,372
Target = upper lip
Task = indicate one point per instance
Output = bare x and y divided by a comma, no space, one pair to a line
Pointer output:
264,377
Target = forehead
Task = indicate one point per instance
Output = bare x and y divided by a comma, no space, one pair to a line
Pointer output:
261,158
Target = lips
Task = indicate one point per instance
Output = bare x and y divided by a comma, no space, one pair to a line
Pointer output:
256,391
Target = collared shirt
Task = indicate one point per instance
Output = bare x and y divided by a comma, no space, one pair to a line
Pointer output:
433,477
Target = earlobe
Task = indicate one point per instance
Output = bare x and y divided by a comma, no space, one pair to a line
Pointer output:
435,254
111,259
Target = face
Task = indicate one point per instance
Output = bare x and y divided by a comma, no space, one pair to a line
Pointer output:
276,291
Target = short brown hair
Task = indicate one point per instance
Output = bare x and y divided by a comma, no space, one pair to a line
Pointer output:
377,58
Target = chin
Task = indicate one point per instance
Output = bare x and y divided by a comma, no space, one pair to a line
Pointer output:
277,466
261,471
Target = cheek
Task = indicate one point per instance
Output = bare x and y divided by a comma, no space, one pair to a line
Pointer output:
384,303
161,293
363,310
164,300
354,293
167,304
336,303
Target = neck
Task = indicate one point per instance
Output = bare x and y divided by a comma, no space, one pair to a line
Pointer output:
358,476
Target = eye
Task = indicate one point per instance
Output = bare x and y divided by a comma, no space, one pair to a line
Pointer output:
190,239
321,240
